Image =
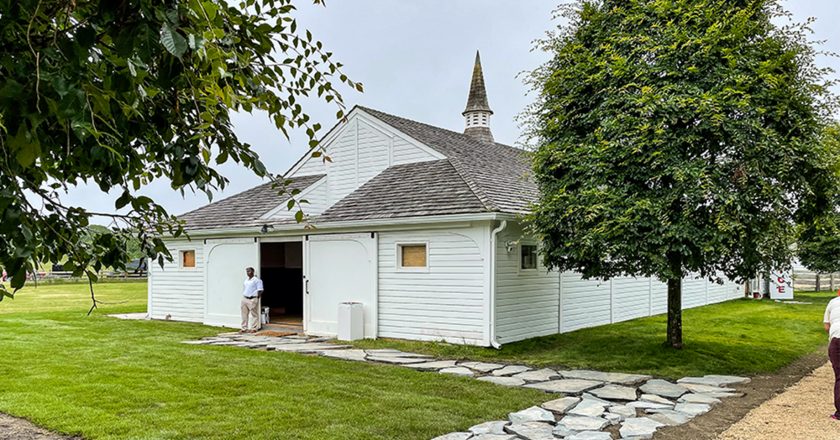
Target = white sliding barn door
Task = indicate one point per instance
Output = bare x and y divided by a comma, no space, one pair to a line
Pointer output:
339,268
226,263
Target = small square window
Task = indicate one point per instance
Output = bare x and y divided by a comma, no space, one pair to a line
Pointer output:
413,256
528,254
187,258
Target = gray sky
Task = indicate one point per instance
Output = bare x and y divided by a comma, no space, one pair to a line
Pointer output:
415,60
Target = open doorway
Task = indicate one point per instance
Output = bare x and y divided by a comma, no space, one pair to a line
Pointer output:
281,269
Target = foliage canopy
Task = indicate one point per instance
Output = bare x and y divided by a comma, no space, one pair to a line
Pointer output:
676,138
121,93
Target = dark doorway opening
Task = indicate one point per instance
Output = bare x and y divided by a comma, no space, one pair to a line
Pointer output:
281,269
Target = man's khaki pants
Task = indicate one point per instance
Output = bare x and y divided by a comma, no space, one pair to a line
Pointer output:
250,308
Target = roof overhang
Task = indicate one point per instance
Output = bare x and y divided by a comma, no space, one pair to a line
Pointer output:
301,229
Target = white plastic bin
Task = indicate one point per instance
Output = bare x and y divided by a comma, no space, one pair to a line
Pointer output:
351,321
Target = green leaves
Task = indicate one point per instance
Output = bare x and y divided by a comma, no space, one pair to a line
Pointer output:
700,138
174,42
120,95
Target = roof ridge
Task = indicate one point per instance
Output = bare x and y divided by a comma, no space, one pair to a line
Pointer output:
475,188
456,133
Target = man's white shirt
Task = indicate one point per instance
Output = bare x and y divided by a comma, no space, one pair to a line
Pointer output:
832,316
254,285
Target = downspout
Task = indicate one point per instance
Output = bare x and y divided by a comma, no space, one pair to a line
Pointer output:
493,342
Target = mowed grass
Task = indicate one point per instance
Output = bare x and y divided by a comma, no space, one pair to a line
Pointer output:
105,378
735,337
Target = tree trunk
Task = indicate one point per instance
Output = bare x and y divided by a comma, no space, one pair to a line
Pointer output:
675,303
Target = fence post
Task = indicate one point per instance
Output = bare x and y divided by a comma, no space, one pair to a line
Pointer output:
831,282
817,284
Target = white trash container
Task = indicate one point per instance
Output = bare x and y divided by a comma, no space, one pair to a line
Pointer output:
351,321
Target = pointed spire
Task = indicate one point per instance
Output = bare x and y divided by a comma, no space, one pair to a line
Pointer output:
477,101
477,114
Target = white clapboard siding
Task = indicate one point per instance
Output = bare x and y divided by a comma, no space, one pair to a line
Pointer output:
178,293
444,303
311,166
315,196
527,304
404,152
526,301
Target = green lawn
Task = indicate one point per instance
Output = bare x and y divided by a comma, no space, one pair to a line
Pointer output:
105,378
736,337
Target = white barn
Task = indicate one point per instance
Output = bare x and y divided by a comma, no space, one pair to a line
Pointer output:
418,223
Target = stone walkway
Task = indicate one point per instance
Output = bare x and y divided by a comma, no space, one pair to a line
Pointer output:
592,405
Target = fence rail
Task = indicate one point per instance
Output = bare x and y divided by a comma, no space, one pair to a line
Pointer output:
807,281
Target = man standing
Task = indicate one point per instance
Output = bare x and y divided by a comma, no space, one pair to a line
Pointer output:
251,302
832,326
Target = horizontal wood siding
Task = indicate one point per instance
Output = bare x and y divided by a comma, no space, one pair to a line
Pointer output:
527,304
586,303
526,300
405,152
445,302
178,293
311,166
373,152
315,195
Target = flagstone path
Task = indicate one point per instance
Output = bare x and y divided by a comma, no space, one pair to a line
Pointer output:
587,405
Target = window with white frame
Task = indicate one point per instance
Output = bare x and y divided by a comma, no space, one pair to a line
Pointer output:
412,256
527,256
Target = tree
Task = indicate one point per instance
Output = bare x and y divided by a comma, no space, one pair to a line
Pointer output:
819,238
119,93
676,138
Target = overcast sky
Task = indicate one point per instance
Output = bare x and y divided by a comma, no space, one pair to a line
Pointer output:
415,59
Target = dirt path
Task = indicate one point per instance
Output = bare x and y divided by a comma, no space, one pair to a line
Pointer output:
756,393
13,428
801,411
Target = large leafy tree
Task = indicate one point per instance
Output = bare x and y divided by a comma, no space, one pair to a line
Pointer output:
677,138
118,93
819,238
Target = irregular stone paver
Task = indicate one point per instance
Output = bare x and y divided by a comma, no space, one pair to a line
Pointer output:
350,355
494,437
656,399
538,375
715,380
510,369
642,404
582,423
307,347
458,371
670,417
567,386
663,388
590,435
597,399
562,431
454,436
613,418
495,427
561,405
503,380
481,367
699,398
619,378
721,395
615,392
588,407
639,427
395,360
532,414
694,409
623,411
532,430
432,365
695,388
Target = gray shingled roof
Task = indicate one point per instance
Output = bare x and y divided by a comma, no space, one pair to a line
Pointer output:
410,190
242,209
499,175
475,177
